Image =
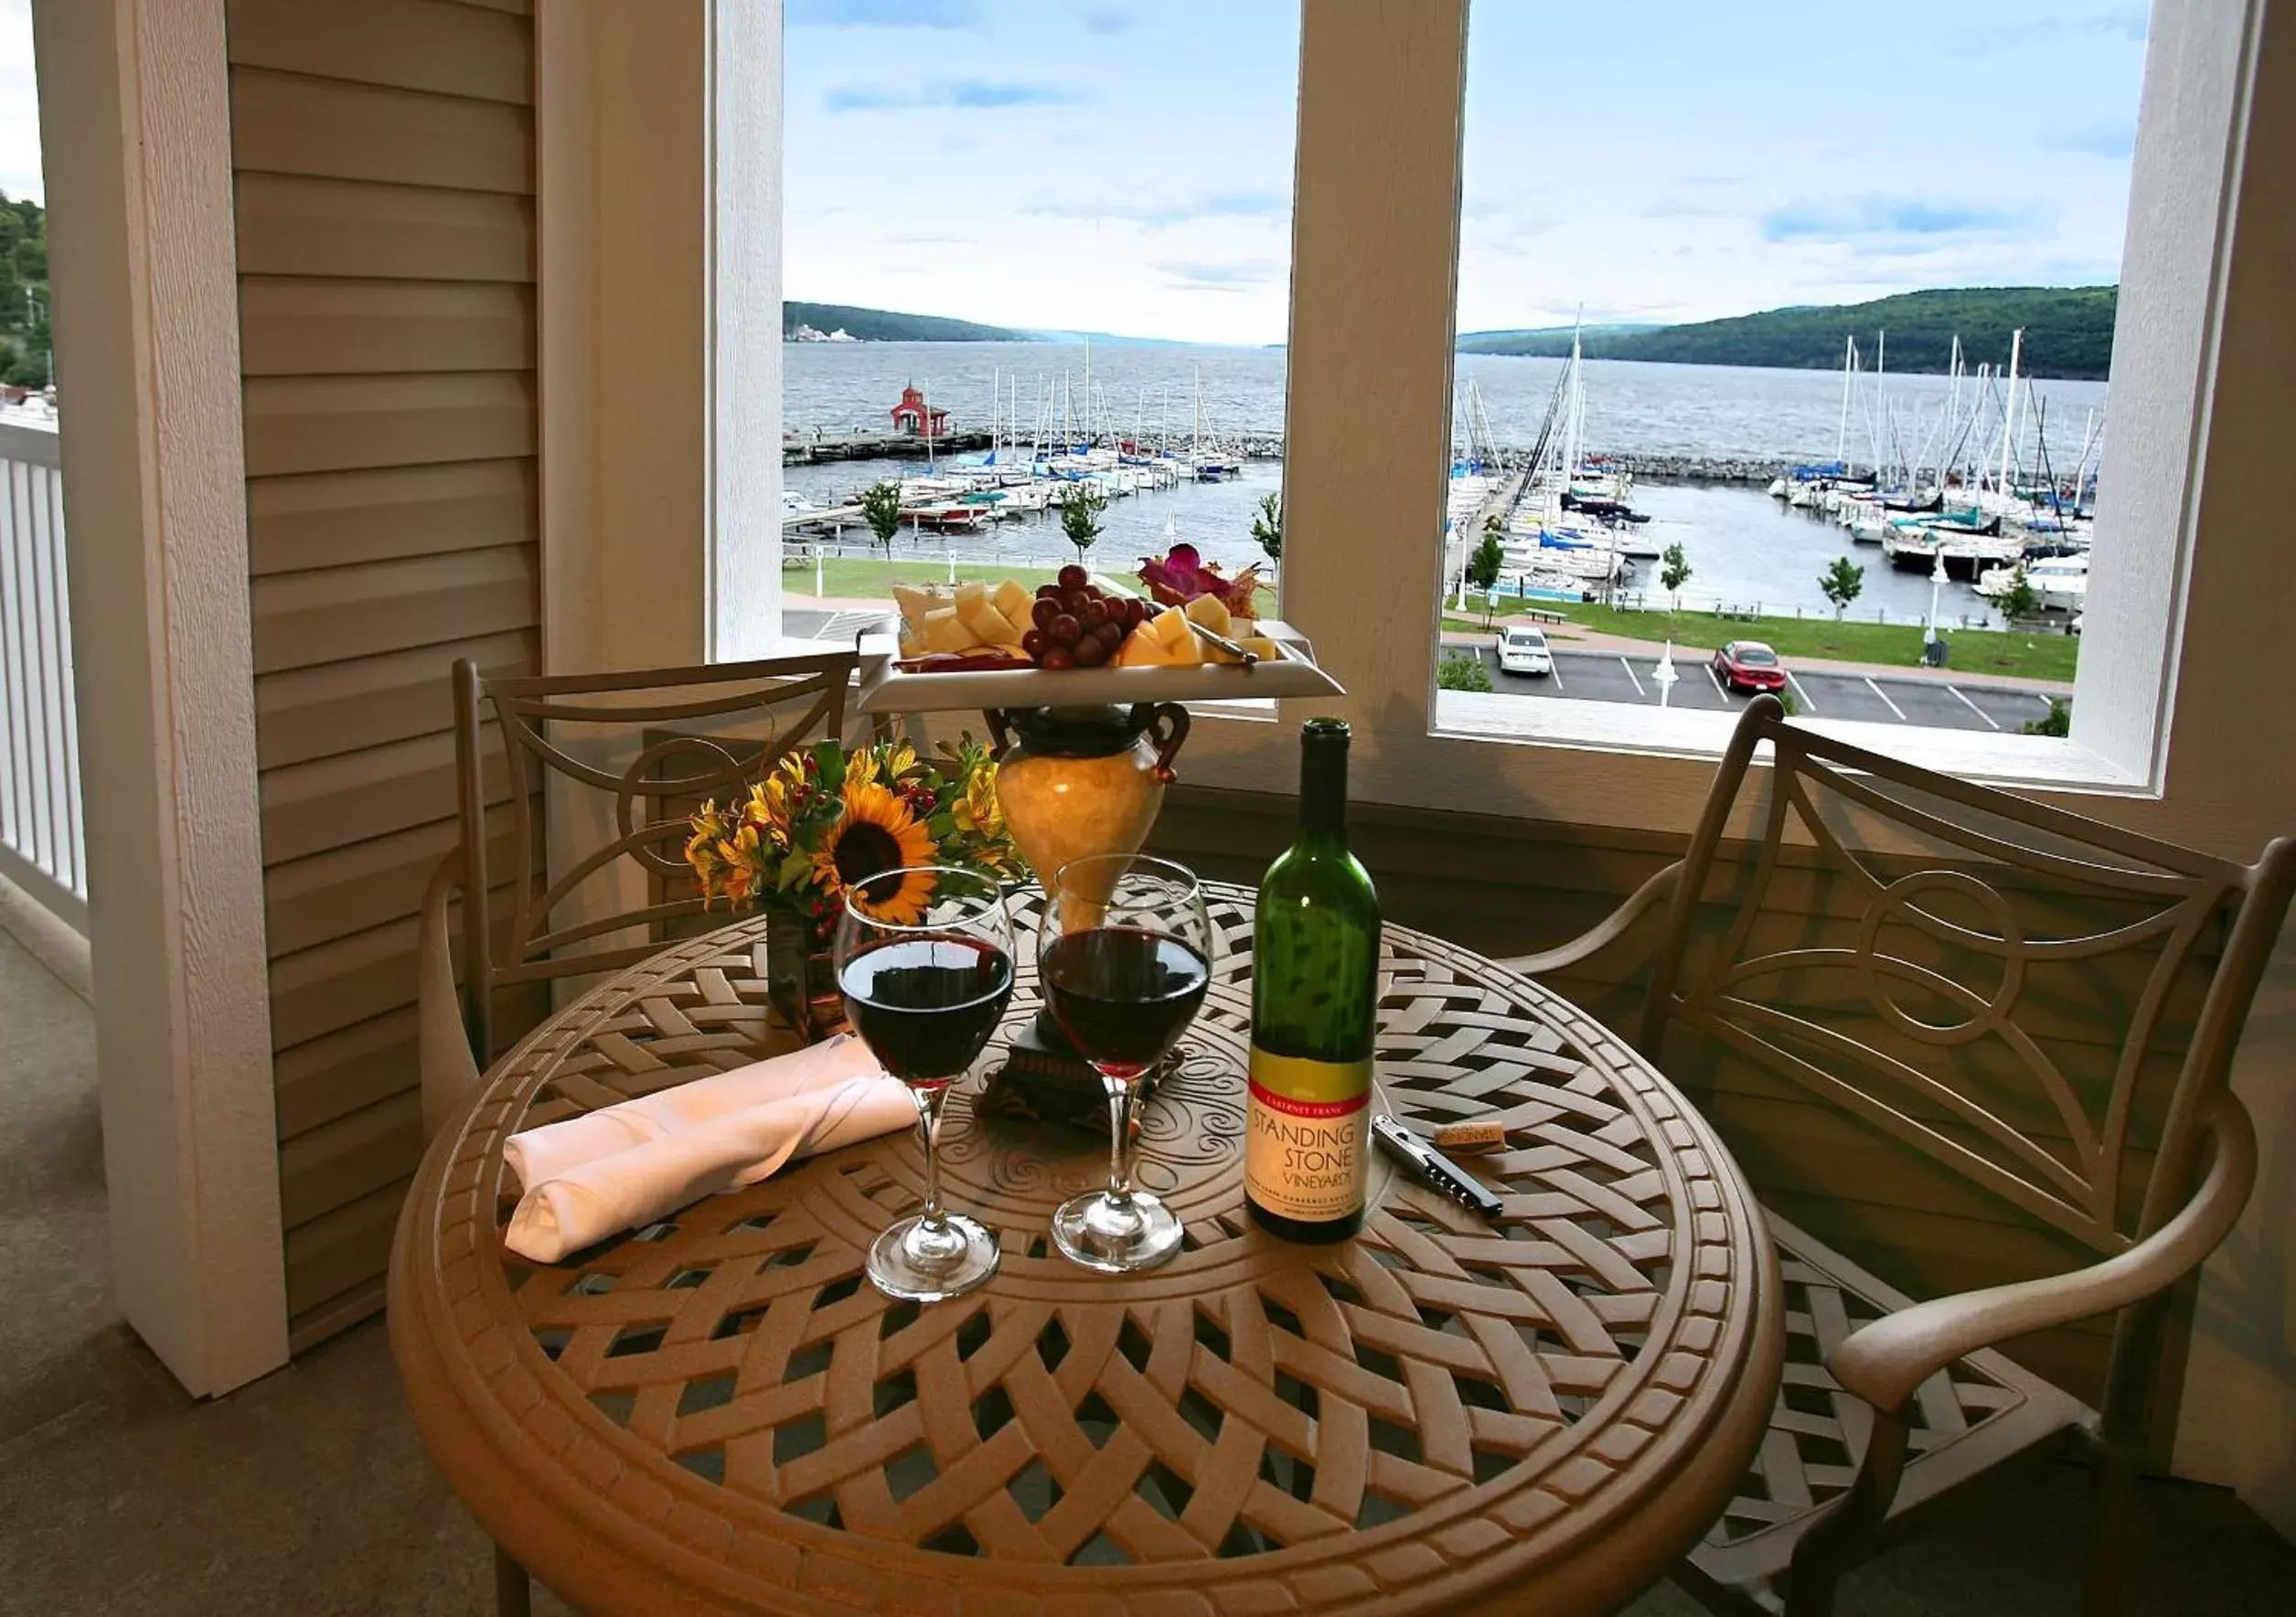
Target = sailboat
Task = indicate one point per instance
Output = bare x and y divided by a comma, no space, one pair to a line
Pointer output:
1203,466
1559,531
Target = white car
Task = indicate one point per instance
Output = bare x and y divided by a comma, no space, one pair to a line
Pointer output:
1525,651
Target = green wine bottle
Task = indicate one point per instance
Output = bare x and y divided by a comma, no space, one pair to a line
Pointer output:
1315,993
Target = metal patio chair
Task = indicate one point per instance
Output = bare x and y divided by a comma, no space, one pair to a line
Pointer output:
1960,1003
508,935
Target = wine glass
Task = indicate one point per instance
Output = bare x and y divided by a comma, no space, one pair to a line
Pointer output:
924,959
1124,953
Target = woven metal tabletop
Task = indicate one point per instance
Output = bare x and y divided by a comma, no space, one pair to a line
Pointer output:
719,1413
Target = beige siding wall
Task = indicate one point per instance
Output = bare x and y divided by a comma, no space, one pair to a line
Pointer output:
384,161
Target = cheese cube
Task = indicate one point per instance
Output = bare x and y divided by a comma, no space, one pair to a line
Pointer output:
1208,611
987,624
915,604
1015,600
1170,626
1266,649
944,631
968,593
1142,650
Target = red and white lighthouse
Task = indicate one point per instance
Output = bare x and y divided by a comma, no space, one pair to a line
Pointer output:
915,418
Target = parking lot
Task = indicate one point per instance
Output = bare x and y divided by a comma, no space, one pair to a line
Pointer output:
1887,698
1608,676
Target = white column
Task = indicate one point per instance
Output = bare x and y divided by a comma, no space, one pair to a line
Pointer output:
135,127
743,270
659,133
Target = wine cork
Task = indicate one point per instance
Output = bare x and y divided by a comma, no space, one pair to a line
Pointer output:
1472,1139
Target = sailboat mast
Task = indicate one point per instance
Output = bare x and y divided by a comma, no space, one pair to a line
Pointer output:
2009,408
1573,416
1849,369
1881,408
1953,397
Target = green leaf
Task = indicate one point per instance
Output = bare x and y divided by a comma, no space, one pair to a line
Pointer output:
830,758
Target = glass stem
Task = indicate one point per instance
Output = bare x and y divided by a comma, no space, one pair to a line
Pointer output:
929,1127
1119,1139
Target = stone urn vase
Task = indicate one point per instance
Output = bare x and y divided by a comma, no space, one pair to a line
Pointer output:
1079,780
1072,782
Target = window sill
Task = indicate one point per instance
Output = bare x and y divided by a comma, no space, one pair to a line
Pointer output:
2040,762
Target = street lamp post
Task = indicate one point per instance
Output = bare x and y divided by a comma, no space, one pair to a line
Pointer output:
1665,675
1937,582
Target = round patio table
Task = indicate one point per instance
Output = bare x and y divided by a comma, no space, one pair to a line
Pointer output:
719,1414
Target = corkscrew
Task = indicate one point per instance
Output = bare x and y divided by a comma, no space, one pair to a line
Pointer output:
1433,1168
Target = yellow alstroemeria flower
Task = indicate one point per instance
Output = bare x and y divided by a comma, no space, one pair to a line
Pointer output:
886,762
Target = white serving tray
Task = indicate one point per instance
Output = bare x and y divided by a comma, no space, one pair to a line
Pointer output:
887,688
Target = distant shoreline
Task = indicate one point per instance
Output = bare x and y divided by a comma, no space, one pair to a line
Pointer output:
2067,334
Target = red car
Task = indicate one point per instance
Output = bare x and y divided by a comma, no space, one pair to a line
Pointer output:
1748,665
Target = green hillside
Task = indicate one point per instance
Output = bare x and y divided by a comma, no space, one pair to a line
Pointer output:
885,326
23,293
2069,333
1542,336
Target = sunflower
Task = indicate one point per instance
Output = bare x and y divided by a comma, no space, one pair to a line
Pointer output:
876,834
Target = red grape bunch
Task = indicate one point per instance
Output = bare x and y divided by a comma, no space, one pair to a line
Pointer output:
1077,625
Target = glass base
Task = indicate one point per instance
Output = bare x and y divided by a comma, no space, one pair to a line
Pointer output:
920,1263
1115,1237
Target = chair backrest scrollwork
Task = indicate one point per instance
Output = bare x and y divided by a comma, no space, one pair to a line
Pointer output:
561,726
2042,1002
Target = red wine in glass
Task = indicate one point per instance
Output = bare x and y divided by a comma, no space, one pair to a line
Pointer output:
1124,955
1124,995
926,1005
924,962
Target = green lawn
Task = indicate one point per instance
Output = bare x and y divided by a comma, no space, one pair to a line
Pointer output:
854,578
1892,645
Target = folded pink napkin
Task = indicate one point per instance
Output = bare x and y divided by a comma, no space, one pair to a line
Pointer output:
605,1172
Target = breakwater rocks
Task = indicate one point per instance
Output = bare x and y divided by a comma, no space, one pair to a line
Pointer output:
1699,468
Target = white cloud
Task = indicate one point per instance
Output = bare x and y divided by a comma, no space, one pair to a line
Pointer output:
19,104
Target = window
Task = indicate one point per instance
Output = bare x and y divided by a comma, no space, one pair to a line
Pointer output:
1371,434
1820,366
1038,269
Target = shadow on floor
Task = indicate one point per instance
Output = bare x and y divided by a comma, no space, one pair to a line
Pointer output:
309,1494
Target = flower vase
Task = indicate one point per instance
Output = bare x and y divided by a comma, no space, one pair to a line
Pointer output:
801,977
1074,782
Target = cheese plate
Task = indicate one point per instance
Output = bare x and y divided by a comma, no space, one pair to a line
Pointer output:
887,687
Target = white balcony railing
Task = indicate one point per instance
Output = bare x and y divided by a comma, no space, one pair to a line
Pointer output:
40,845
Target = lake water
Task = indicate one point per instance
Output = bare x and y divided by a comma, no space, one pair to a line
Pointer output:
1743,547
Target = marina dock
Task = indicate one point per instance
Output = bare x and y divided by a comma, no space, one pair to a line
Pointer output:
804,447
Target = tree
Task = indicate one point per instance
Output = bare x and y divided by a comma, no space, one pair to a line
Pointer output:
1462,670
1841,583
1267,526
881,508
1483,565
2058,722
2019,600
1674,571
1080,516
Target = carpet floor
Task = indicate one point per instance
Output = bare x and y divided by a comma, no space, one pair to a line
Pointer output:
309,1494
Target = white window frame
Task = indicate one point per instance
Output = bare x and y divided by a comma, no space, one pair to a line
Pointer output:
1374,268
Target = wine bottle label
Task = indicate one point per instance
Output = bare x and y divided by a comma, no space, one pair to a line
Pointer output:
1305,1140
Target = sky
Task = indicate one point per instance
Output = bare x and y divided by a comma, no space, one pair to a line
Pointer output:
1107,165
19,105
1127,167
